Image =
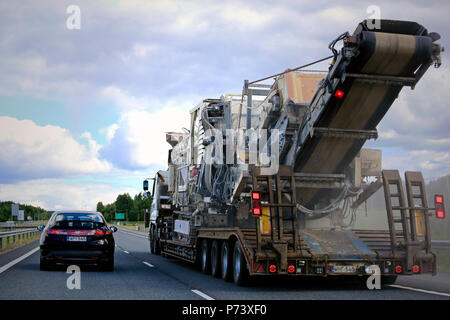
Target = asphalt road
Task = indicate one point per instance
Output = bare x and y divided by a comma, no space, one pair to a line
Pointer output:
139,275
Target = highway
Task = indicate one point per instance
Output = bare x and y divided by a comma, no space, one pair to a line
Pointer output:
139,275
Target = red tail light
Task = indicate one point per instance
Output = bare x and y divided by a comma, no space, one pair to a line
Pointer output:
256,208
256,195
291,268
415,269
339,94
53,231
398,269
439,206
99,232
273,268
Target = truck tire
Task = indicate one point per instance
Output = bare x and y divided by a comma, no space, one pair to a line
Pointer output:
240,273
387,280
155,243
215,259
226,261
205,258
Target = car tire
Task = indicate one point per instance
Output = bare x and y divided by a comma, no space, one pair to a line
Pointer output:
205,258
240,272
215,259
154,243
226,261
108,265
44,265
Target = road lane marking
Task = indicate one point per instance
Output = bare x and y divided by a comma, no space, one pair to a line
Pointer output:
134,234
203,295
12,263
148,264
421,290
126,251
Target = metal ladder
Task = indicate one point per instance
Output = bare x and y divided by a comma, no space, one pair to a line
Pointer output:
402,218
280,191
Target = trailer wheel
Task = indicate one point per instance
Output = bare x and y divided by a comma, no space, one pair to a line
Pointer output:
240,273
226,261
215,259
206,257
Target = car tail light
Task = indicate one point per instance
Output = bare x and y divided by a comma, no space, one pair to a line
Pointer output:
439,206
53,231
100,232
339,94
273,268
256,195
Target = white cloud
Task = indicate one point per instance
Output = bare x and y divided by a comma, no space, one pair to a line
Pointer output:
139,139
29,151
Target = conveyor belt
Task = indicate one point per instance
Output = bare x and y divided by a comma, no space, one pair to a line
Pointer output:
370,70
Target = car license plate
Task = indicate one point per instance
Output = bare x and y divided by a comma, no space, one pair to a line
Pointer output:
76,238
344,269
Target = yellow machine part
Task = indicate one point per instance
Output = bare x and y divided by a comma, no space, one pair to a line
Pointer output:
264,221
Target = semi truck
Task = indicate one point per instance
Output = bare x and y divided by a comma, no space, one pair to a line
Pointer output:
268,182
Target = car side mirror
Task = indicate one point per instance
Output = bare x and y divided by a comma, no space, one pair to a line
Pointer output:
113,229
41,228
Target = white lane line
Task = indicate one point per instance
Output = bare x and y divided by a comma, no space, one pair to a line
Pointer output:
201,294
148,264
12,263
133,234
421,290
126,251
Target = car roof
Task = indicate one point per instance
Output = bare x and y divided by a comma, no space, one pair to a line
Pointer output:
76,211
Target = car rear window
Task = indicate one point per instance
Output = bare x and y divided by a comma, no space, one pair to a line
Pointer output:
78,221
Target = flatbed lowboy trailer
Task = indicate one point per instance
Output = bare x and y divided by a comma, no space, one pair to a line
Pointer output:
239,219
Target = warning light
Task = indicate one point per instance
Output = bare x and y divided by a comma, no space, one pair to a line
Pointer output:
339,94
415,269
439,206
256,208
398,269
256,195
273,268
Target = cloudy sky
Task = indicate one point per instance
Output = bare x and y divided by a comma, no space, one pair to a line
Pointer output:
83,111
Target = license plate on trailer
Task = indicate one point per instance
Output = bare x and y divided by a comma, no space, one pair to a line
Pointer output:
76,239
344,269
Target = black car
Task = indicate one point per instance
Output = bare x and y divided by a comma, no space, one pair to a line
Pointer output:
77,237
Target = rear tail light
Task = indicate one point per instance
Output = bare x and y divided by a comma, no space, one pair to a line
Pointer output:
339,94
100,232
415,269
439,206
272,268
256,208
291,268
256,205
398,269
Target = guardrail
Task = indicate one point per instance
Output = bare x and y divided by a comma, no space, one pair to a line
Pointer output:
17,235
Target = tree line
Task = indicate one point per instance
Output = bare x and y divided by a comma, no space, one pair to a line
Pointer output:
134,208
36,213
